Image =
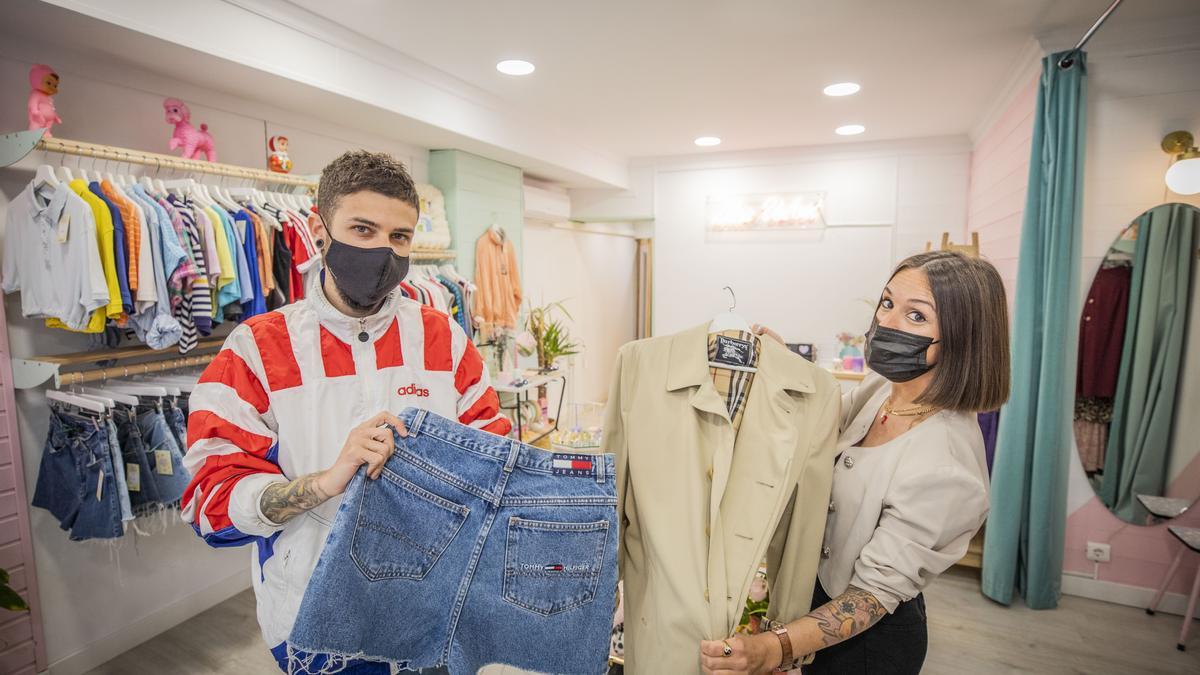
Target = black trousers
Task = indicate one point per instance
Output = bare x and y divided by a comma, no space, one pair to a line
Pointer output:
895,645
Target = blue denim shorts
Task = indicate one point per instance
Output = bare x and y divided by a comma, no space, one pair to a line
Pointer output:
470,549
76,481
163,454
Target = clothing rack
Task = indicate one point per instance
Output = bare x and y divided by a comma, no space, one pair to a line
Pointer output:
16,146
420,254
34,371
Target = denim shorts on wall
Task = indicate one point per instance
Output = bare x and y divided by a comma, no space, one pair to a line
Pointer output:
76,481
471,549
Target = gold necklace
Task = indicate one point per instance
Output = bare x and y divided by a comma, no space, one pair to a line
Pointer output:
911,411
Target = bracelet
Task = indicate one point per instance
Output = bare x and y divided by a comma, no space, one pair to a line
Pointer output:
768,625
785,644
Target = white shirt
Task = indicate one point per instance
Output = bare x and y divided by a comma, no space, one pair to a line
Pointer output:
905,511
52,256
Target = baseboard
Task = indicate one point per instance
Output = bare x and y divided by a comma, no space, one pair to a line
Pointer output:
129,636
1123,594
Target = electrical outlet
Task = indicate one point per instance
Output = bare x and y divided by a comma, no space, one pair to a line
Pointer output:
1097,552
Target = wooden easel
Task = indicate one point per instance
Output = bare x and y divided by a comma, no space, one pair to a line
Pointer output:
970,250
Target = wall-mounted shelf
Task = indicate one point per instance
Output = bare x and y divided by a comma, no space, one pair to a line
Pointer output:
433,254
16,145
67,368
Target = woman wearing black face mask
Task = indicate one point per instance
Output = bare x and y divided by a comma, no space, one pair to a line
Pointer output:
910,488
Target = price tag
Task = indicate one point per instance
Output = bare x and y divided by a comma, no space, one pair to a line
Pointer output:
64,226
133,477
162,462
100,486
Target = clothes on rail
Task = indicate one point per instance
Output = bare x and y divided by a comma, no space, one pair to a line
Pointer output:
100,471
167,262
443,289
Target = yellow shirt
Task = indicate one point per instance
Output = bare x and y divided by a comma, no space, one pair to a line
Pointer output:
105,234
228,266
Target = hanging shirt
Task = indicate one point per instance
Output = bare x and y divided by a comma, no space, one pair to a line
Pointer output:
120,245
208,237
182,279
133,234
224,253
283,269
172,255
155,326
197,301
499,278
258,302
51,255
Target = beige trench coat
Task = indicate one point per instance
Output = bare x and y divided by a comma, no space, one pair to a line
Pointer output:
701,507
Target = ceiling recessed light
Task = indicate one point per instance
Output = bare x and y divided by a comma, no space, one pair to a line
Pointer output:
842,89
851,130
706,141
515,67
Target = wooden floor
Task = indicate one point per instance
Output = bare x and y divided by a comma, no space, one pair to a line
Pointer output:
968,634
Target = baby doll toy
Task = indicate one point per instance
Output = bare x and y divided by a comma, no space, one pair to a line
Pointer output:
43,82
278,160
195,142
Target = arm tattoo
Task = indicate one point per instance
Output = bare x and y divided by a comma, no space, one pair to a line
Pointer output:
281,502
847,615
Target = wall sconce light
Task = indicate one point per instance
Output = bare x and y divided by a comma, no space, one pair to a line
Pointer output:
1184,175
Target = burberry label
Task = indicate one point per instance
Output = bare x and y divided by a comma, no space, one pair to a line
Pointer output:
734,352
579,466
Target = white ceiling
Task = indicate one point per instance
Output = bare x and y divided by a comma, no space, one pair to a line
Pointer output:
645,77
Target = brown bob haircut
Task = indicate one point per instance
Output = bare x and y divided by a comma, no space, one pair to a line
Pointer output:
972,371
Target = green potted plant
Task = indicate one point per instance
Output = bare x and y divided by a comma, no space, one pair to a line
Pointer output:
8,597
551,341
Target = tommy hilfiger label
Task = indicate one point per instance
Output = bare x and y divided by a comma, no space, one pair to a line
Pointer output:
579,466
734,352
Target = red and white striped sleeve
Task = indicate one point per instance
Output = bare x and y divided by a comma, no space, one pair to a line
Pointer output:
478,404
233,448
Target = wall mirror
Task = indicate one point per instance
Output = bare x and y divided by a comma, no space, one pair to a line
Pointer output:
1137,389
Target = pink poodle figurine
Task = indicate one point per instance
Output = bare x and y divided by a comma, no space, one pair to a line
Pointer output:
194,142
44,83
278,160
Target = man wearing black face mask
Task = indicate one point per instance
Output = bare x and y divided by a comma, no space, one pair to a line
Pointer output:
300,398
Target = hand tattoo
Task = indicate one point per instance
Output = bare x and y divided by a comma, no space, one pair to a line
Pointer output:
281,502
847,615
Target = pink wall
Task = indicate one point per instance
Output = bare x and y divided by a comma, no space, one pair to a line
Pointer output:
999,173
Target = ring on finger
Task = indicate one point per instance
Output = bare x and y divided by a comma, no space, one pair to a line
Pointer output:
727,651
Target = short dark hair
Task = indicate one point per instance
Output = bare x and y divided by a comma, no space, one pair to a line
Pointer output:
359,170
972,372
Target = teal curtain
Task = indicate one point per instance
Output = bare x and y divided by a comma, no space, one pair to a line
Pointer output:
1023,546
1144,406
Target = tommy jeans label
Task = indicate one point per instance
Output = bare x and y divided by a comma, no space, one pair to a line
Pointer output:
733,352
579,466
413,390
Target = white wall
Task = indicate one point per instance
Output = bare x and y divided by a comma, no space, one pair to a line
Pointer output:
884,201
596,278
98,602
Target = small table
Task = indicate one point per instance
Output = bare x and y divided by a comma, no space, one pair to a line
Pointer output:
1189,538
1163,507
522,394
